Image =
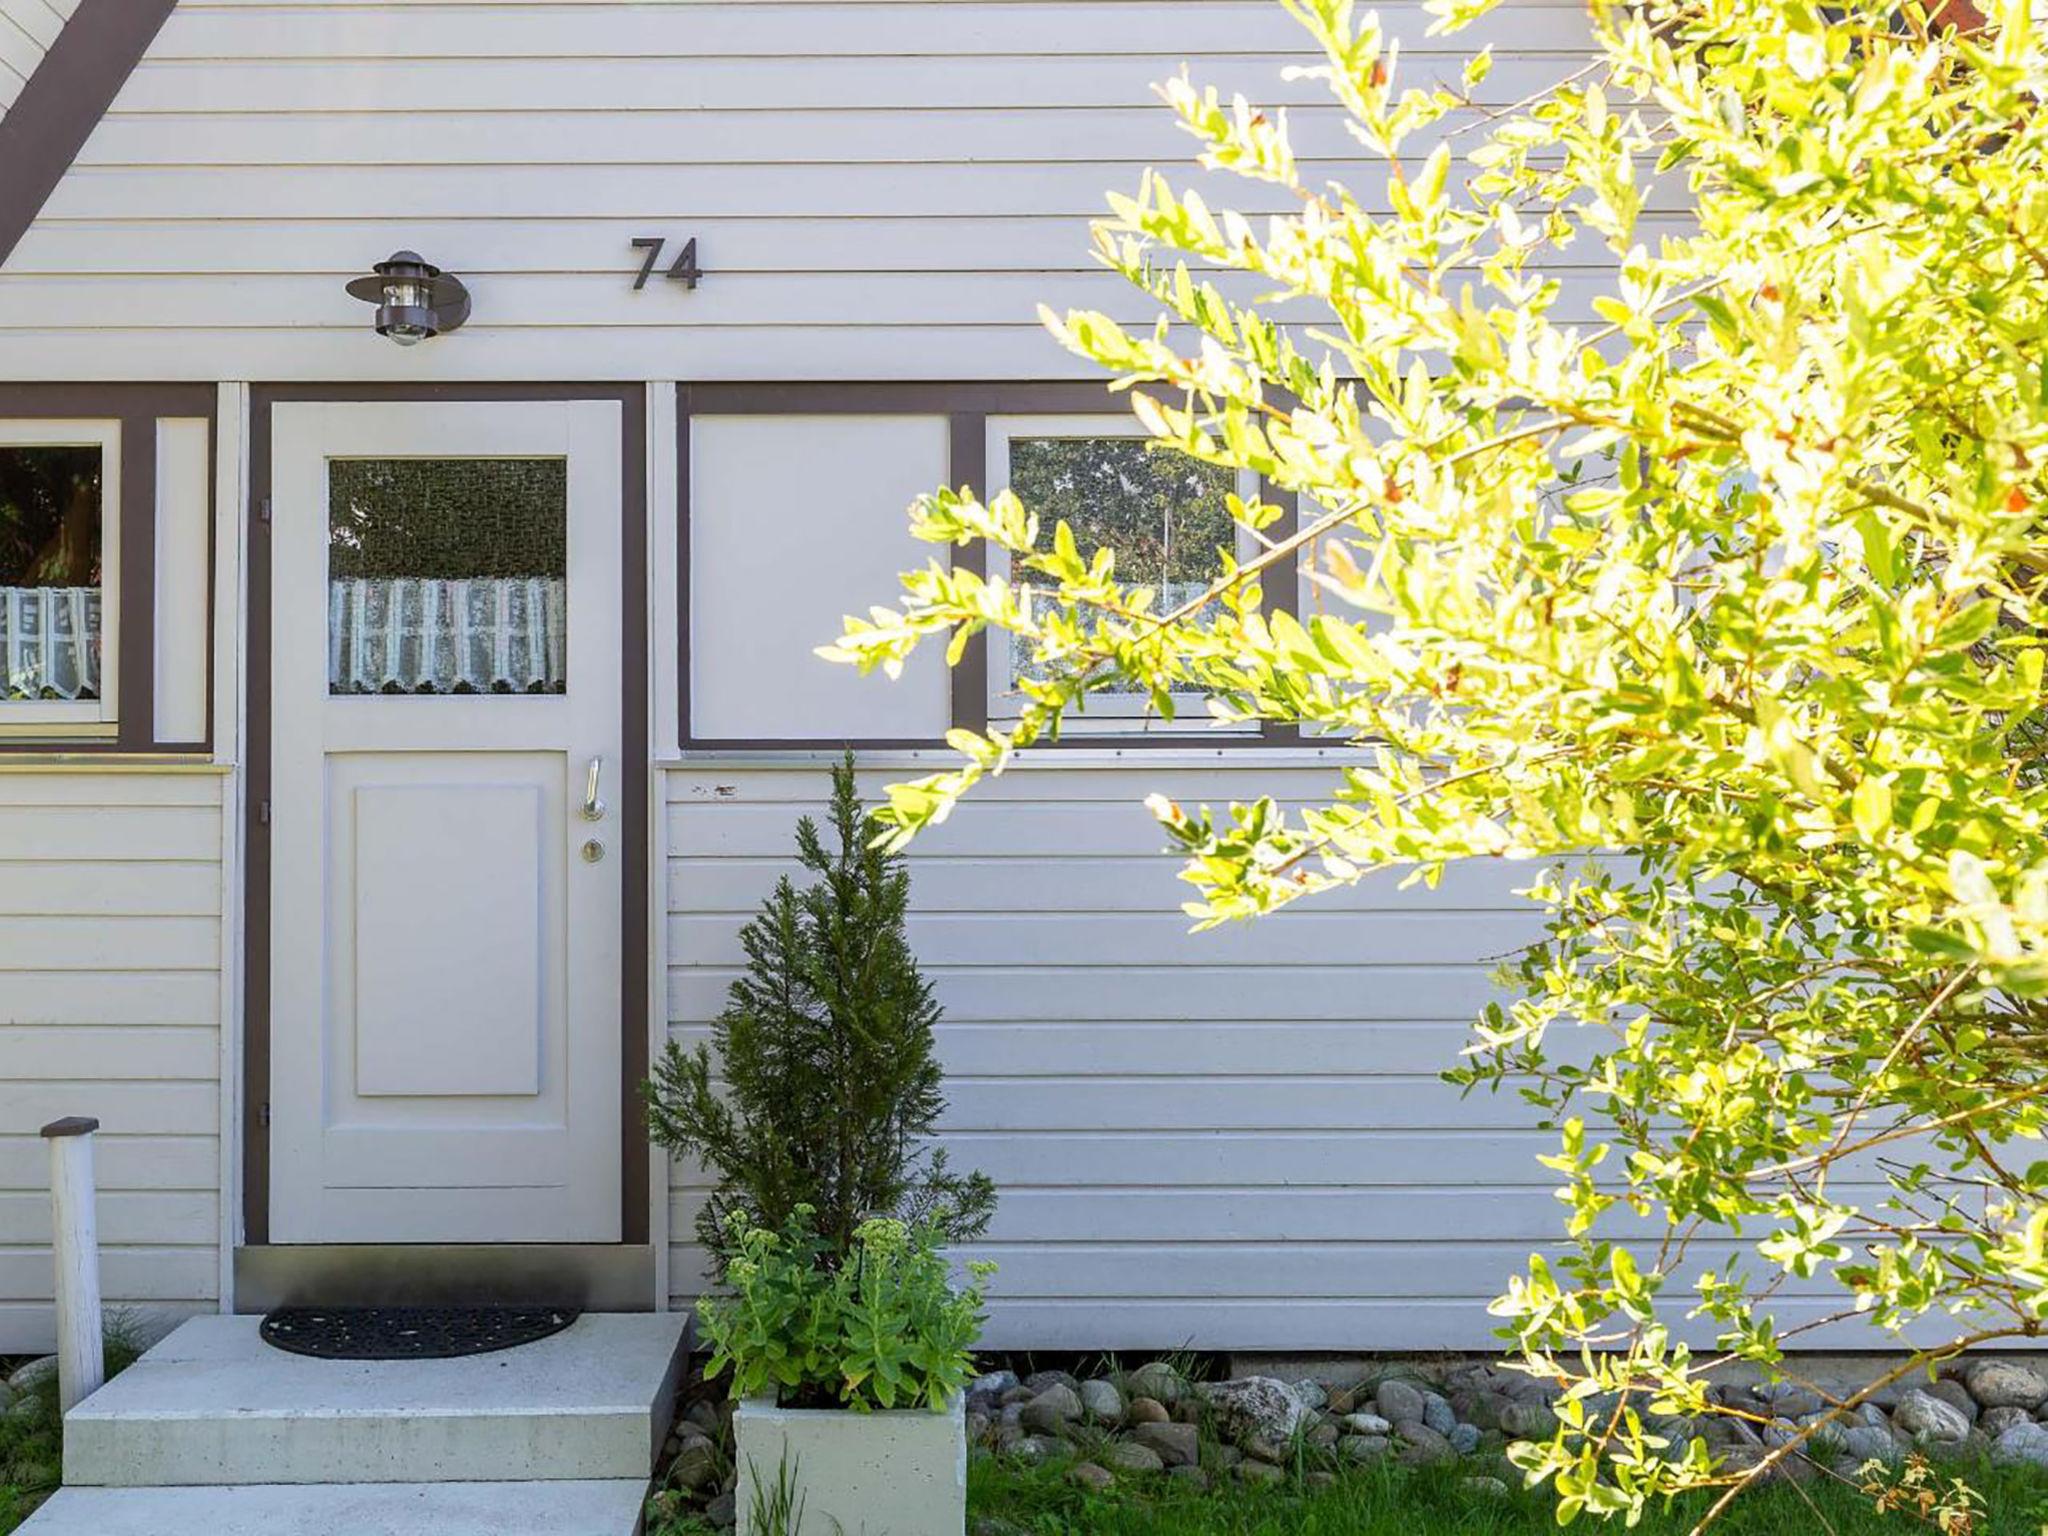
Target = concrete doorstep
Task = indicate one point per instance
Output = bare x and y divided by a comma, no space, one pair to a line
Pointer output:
214,1433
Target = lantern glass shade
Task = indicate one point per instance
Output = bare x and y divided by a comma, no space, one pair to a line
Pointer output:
414,299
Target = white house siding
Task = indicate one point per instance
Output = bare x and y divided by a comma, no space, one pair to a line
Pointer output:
28,30
1236,1139
881,189
110,1006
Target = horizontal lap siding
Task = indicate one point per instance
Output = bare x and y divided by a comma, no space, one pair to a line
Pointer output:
1237,1138
110,1006
28,30
880,189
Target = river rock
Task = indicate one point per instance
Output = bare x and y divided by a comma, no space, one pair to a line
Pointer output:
1178,1445
1926,1418
1040,1381
695,1467
1189,1477
1483,1487
1957,1396
1996,1421
1313,1395
1158,1381
2006,1384
1259,1448
1423,1446
1257,1406
1528,1421
1862,1442
2022,1445
1052,1410
1364,1424
1437,1414
1364,1448
1088,1475
1101,1401
1032,1448
28,1375
1147,1410
1464,1438
1398,1401
1130,1456
993,1385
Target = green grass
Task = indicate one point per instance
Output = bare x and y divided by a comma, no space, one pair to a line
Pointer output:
32,1437
1039,1501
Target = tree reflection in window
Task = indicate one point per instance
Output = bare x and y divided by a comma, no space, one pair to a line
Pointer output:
50,598
1167,516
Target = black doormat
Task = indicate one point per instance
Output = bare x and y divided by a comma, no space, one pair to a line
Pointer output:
409,1333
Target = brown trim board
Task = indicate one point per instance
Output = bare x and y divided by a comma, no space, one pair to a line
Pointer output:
64,101
138,408
635,1190
967,408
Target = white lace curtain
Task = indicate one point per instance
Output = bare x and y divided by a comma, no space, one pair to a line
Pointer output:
409,634
50,642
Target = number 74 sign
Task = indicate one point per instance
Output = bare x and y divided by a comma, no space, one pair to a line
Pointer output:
684,270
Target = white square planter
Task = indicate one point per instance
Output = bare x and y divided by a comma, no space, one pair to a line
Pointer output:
899,1473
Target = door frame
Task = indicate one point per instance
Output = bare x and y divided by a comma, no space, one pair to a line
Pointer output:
634,842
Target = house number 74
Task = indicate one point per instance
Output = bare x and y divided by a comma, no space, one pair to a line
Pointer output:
684,270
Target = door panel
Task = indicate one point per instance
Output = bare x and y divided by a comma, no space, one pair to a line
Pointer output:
453,957
445,969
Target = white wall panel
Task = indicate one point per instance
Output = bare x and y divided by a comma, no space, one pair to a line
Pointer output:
110,1006
184,561
1196,1135
795,522
883,189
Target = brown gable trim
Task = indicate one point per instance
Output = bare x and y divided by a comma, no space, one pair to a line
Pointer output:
63,102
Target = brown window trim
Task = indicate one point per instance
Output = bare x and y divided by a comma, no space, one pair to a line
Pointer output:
966,407
138,408
635,998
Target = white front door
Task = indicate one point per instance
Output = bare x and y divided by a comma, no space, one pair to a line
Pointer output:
445,999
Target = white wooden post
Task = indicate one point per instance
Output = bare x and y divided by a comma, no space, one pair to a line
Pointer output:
81,1349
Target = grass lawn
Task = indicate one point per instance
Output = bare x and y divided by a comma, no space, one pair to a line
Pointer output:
1038,1501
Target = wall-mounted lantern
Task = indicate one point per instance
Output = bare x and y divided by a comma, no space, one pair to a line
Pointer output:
415,299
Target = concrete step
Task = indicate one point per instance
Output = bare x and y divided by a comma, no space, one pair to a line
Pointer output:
610,1508
213,1405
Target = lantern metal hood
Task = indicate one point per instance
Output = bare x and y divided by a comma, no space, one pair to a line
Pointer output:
415,299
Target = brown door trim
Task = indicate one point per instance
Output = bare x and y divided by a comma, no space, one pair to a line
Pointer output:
633,828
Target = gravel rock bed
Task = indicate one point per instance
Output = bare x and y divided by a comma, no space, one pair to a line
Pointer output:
1152,1422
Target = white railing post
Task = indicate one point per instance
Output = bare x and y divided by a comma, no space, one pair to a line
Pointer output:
81,1347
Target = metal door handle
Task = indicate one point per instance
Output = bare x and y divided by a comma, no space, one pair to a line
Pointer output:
593,808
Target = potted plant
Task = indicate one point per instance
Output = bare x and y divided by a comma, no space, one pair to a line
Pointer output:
849,1368
814,1104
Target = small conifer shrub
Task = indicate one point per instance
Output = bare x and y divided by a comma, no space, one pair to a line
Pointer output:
821,1085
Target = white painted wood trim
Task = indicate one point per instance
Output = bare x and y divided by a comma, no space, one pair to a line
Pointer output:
81,1348
664,508
231,517
1066,759
664,523
184,508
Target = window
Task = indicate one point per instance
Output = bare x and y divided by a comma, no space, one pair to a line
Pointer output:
59,564
1166,516
447,576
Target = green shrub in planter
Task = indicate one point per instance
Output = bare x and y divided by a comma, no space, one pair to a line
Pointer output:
882,1327
821,1084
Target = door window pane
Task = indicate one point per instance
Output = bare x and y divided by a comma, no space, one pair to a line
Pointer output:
51,512
447,576
1167,516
